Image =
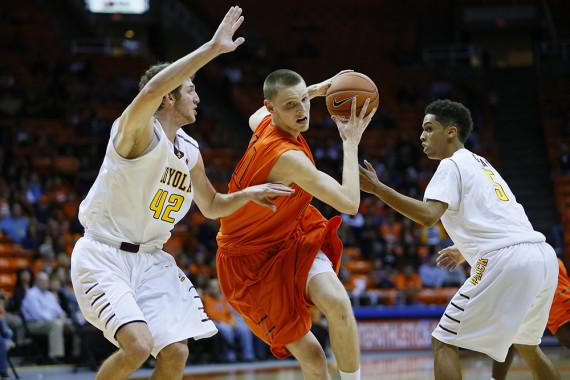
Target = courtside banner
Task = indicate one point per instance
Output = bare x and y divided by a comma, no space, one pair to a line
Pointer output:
396,335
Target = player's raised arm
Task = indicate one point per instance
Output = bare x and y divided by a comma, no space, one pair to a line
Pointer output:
321,88
424,213
295,167
214,205
135,124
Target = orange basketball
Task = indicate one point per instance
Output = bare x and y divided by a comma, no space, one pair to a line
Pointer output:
346,86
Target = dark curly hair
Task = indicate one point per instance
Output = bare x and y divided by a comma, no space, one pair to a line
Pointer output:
448,112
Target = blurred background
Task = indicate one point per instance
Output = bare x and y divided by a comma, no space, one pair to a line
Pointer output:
68,68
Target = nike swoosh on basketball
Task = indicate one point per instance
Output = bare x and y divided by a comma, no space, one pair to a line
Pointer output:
338,103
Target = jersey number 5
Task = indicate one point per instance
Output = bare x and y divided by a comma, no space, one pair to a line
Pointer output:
498,188
157,205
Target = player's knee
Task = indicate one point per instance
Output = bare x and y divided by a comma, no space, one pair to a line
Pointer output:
138,351
175,354
338,305
315,362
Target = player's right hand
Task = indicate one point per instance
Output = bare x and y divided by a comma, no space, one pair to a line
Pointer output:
368,178
449,258
351,130
223,38
262,194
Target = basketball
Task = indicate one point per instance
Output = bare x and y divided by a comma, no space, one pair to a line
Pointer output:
346,86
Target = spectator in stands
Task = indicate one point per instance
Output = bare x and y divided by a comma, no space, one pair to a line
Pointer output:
24,280
46,248
65,297
380,277
33,189
390,228
431,275
43,314
409,285
6,342
431,235
70,306
16,224
232,330
34,235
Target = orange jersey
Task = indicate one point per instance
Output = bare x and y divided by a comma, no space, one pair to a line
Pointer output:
264,257
560,310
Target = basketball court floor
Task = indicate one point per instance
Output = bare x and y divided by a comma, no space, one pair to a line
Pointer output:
380,366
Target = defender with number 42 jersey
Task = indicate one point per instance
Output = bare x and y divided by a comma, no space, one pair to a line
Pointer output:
125,284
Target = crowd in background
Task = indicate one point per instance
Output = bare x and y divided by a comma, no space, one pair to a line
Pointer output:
55,118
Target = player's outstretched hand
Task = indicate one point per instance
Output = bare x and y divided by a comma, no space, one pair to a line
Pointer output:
368,178
223,39
262,194
449,258
320,89
352,129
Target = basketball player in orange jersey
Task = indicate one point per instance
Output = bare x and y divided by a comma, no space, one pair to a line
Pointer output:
558,321
126,285
271,266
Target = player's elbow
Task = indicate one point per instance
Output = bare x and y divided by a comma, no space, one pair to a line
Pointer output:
211,213
353,210
251,122
429,220
349,206
207,210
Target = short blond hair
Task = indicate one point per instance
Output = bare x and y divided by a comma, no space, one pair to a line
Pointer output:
278,79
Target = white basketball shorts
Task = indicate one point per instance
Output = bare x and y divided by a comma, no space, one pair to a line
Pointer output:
505,301
322,264
115,288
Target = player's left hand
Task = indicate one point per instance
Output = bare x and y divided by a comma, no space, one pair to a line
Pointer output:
262,194
368,178
449,258
223,39
320,89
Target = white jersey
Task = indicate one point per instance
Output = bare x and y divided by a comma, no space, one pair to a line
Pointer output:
140,200
483,214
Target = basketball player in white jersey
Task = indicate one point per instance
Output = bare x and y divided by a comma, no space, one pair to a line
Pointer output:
125,284
514,271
